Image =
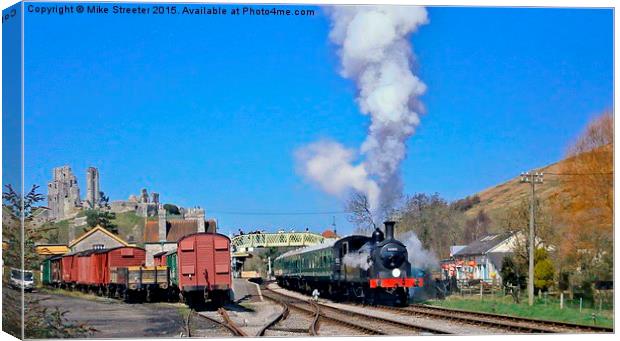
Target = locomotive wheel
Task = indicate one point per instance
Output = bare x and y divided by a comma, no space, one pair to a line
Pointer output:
369,297
402,299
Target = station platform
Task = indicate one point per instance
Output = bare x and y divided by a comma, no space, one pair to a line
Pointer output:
245,291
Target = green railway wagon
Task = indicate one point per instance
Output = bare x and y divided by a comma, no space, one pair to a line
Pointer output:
50,271
171,262
305,267
46,272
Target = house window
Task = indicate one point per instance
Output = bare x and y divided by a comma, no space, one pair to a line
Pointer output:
98,246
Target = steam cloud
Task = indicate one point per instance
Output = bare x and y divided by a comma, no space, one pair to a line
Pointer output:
359,259
375,52
418,256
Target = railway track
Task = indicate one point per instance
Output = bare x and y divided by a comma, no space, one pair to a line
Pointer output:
510,322
282,316
226,322
366,323
497,321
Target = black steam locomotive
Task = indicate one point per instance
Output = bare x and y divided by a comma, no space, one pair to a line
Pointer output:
372,269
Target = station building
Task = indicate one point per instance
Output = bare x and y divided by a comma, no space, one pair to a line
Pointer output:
480,260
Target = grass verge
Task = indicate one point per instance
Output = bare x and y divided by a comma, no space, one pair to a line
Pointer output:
540,309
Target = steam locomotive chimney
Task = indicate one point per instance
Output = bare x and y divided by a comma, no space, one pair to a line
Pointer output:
389,229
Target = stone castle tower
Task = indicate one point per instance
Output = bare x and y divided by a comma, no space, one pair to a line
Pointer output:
198,214
93,194
63,193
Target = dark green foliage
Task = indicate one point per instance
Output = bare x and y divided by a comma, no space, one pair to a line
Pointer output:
172,209
101,218
512,274
14,202
564,283
104,200
12,232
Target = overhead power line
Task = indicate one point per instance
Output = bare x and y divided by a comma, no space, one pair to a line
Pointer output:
577,174
278,213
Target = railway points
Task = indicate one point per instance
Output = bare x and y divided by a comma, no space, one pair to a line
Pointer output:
370,324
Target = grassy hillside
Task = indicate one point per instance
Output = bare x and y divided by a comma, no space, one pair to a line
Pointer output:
495,201
129,224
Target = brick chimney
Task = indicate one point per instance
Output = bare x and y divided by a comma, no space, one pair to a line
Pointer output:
163,229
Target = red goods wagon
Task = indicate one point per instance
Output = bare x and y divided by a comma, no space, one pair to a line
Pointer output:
66,269
86,275
121,257
203,261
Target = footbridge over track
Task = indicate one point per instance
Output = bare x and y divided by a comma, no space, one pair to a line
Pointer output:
246,242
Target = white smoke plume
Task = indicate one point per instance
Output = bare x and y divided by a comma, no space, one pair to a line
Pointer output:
375,52
331,166
418,256
358,259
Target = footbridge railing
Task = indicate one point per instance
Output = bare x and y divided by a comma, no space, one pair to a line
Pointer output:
245,242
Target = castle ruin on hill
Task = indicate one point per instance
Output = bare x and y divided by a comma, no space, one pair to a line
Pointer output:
63,194
64,201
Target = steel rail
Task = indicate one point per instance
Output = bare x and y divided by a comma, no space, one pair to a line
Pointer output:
314,326
505,325
337,316
306,308
211,319
281,316
230,324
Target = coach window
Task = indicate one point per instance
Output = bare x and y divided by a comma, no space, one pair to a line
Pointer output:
345,248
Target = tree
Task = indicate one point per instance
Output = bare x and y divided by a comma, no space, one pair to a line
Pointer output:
172,209
433,220
476,227
360,213
513,273
19,207
38,321
104,201
584,206
517,220
466,203
543,270
101,218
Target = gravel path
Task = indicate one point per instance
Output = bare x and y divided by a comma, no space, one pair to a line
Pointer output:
115,319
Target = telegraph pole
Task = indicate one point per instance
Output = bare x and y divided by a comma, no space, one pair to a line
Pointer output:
533,179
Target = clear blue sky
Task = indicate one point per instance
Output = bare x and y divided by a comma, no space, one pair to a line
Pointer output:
208,110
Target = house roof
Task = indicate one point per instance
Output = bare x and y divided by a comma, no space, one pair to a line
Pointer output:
176,228
160,254
95,230
484,244
52,249
179,228
151,231
328,234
